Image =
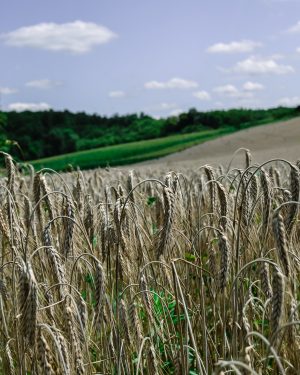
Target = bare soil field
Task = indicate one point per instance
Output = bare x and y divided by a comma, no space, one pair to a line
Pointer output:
265,142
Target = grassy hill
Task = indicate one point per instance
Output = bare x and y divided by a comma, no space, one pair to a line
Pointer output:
38,135
128,153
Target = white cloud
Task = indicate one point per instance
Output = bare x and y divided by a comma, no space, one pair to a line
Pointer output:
294,29
202,95
243,95
76,37
174,83
253,86
176,112
289,102
231,91
226,90
7,91
43,84
254,65
298,49
155,85
19,107
161,107
233,47
165,106
116,94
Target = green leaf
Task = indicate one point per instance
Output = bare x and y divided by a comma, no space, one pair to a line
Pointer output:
89,278
154,229
84,294
214,241
190,257
151,201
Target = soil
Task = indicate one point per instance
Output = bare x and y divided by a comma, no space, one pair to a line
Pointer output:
265,142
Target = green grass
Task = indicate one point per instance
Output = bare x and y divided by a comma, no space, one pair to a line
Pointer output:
128,153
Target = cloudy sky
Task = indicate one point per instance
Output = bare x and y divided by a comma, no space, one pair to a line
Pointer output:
156,56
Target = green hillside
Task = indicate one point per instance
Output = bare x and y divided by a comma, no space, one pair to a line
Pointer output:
128,153
37,135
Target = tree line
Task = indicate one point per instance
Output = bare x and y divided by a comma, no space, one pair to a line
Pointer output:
33,135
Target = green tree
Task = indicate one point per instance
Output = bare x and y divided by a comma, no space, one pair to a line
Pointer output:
5,144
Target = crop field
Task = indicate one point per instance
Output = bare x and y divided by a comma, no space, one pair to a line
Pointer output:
128,153
160,272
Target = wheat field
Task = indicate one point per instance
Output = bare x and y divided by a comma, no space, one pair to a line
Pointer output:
150,272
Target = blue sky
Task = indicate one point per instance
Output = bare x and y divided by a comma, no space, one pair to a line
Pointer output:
156,56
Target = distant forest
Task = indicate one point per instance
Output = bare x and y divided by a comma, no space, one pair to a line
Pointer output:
33,135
